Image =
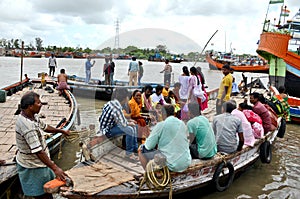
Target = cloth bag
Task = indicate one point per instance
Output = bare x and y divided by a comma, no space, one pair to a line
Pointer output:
199,93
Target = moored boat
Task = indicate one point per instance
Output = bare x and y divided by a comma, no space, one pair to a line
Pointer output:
215,64
107,174
274,46
60,111
294,103
96,89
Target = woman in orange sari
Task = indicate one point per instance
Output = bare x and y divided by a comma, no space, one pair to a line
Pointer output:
135,105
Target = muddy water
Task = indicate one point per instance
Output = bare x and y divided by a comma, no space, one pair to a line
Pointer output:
279,179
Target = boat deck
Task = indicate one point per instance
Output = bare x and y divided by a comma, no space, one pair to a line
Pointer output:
54,109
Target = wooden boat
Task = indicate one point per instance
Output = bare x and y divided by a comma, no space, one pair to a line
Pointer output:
217,65
294,103
107,174
163,60
59,111
96,89
284,64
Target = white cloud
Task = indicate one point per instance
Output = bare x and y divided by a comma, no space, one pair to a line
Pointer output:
90,23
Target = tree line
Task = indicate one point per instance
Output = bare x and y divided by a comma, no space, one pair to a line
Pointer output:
11,44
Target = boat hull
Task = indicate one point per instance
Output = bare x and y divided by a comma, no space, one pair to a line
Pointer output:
217,65
64,117
198,175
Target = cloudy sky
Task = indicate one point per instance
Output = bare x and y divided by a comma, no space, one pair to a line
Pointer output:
186,23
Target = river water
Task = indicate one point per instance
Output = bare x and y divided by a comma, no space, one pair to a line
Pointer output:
279,179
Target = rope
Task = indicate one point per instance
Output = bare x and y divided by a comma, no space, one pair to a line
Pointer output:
222,156
153,182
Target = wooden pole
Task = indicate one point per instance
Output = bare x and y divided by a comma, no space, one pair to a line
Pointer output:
22,53
204,48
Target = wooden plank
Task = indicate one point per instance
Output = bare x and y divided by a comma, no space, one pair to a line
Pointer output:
116,157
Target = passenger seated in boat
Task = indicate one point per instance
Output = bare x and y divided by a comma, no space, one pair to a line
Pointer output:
254,119
170,138
135,105
225,127
172,99
147,105
113,121
157,96
202,139
235,89
166,89
248,134
62,80
262,111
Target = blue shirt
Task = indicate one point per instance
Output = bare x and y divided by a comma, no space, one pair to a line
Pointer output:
171,138
133,66
88,65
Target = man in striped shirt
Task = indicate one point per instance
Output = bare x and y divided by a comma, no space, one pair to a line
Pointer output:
113,121
35,167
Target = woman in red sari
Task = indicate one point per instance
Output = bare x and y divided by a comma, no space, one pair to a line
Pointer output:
135,105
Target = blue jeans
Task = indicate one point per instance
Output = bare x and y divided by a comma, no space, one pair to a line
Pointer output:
131,136
111,78
88,76
139,80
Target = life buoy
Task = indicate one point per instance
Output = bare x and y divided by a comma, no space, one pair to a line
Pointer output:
265,152
229,179
282,128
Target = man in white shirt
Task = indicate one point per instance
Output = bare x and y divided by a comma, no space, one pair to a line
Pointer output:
52,65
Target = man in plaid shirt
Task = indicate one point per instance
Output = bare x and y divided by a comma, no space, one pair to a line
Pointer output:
113,122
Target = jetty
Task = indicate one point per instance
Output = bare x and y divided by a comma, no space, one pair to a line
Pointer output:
57,110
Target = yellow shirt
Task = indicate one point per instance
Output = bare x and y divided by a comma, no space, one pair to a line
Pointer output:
165,92
226,81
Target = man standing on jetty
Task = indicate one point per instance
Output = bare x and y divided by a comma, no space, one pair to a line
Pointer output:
52,65
224,89
88,67
34,165
133,72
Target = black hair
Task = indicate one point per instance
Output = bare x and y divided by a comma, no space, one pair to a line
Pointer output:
194,108
229,106
194,70
168,109
255,95
120,93
134,92
159,88
226,66
28,99
133,58
148,87
201,75
245,106
62,70
185,70
281,89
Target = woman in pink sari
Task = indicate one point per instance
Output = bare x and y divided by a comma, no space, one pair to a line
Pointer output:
196,94
204,104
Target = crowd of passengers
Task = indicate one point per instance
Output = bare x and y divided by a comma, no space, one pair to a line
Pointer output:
179,140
